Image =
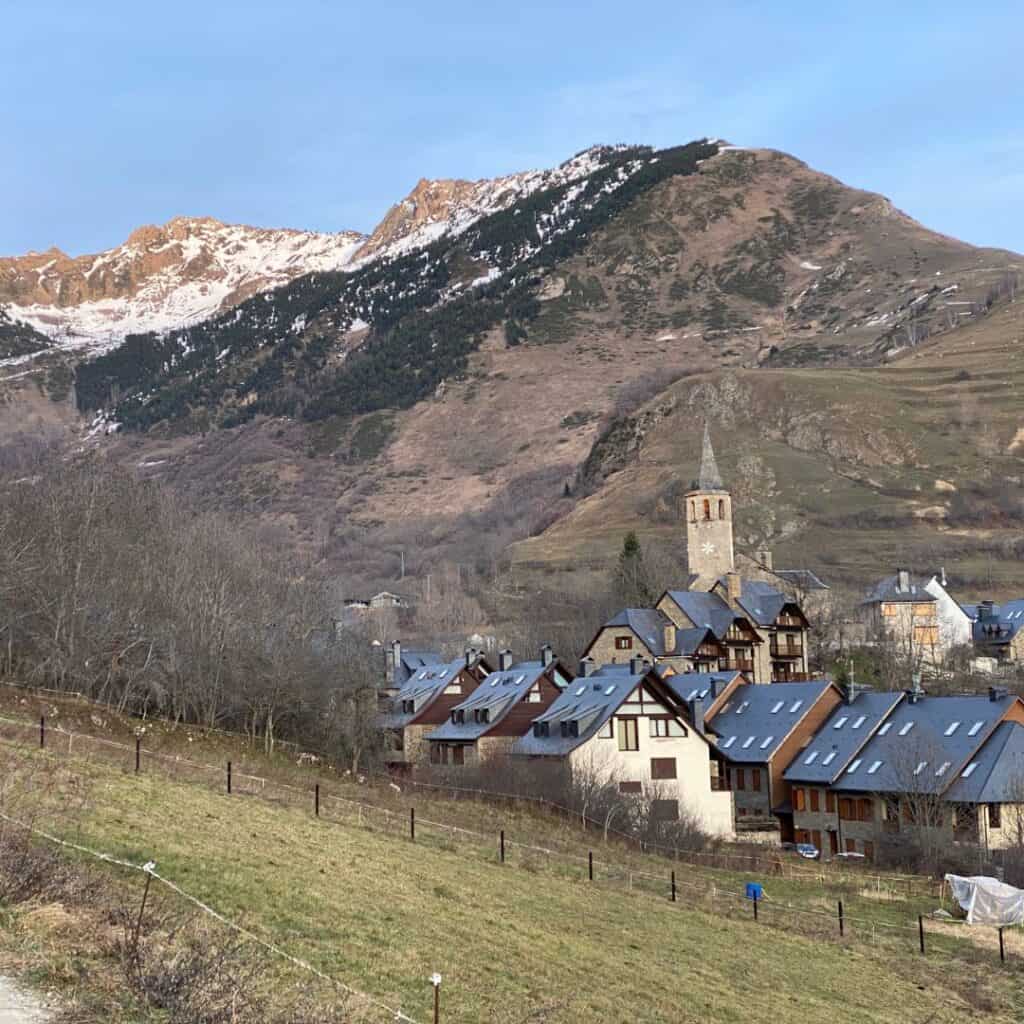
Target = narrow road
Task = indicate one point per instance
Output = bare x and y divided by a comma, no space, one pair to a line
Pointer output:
16,1007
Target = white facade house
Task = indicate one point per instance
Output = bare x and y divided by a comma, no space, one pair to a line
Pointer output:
620,724
954,623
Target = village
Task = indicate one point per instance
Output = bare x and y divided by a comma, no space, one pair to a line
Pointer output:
705,707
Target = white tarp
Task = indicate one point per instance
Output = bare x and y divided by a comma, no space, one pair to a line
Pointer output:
987,900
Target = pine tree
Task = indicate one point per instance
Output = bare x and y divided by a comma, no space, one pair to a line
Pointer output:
631,580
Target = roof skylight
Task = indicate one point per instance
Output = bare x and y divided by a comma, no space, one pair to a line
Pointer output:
729,742
795,706
885,728
854,765
953,726
858,723
875,765
829,757
766,742
906,728
975,729
811,757
777,707
921,765
609,690
969,770
941,770
841,722
748,741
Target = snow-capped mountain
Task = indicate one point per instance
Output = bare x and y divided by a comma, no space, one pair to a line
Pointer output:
190,269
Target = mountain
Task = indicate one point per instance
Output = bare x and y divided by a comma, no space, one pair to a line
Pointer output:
489,364
18,340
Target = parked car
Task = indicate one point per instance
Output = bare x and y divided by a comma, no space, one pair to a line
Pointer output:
806,850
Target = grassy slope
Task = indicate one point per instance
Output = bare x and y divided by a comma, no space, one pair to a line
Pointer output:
384,914
857,457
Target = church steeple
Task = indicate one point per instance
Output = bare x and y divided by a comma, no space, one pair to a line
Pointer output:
709,478
708,514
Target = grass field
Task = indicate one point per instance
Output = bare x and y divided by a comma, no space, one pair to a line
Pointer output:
521,942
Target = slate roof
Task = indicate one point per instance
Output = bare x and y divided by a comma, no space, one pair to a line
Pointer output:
498,693
422,687
805,579
589,701
708,479
699,689
761,601
649,624
889,590
999,626
995,775
758,717
705,609
412,661
842,736
923,744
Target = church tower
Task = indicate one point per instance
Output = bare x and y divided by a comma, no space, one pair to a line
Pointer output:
708,511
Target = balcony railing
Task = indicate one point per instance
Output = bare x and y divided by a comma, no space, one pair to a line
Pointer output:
719,784
786,650
785,676
740,665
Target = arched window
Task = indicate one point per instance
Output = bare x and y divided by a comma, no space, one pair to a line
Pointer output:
707,508
693,511
721,508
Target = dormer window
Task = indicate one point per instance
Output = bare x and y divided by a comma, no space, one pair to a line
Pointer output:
541,730
570,728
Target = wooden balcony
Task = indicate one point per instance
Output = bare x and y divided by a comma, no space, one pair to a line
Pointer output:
739,665
784,675
720,784
786,650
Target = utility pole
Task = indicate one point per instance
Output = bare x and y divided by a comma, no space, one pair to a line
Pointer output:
402,553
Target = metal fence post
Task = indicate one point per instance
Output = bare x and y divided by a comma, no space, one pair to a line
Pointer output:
841,924
316,800
502,846
590,864
920,931
412,823
42,731
229,778
673,887
138,754
755,906
1002,948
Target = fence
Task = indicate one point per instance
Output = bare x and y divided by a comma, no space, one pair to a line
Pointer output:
930,938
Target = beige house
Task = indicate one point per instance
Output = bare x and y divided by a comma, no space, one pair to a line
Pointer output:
620,724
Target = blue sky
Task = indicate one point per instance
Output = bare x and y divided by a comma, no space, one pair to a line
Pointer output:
320,114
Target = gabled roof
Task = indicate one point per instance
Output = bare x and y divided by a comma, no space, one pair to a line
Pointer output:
923,744
701,688
758,717
843,736
761,601
1000,625
589,701
498,693
995,774
412,661
889,589
422,687
805,579
704,610
649,625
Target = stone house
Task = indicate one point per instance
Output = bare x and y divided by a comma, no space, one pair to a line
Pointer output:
622,724
422,702
759,730
998,633
652,635
400,663
484,726
917,615
926,767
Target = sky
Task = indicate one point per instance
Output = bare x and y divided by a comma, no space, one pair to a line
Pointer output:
321,114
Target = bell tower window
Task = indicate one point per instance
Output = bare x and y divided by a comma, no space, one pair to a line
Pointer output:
707,508
721,508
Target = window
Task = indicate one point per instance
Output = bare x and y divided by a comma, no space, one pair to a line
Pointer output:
532,695
663,768
707,508
748,742
435,753
953,726
888,609
811,757
777,707
926,635
921,765
729,742
943,768
840,722
743,707
885,728
798,799
975,729
609,690
829,757
815,800
766,742
869,850
864,810
628,738
623,643
854,765
795,706
631,787
905,729
665,810
541,729
755,779
995,818
858,723
851,845
458,754
830,802
740,777
453,688
875,765
662,728
969,770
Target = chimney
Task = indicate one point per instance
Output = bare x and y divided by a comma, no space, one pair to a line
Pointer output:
670,637
697,715
471,655
765,558
546,655
998,693
942,576
392,659
915,693
504,660
587,667
637,665
902,581
734,583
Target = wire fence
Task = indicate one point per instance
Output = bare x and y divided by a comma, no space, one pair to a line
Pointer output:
827,920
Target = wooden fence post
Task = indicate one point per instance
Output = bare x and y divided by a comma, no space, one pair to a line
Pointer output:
920,931
590,864
42,731
502,846
316,800
841,923
412,824
138,754
673,887
229,778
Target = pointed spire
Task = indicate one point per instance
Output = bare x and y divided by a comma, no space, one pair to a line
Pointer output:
709,479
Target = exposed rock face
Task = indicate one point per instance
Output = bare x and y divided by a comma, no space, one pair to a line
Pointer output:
162,276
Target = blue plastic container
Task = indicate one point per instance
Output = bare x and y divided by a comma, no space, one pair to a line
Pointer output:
754,891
